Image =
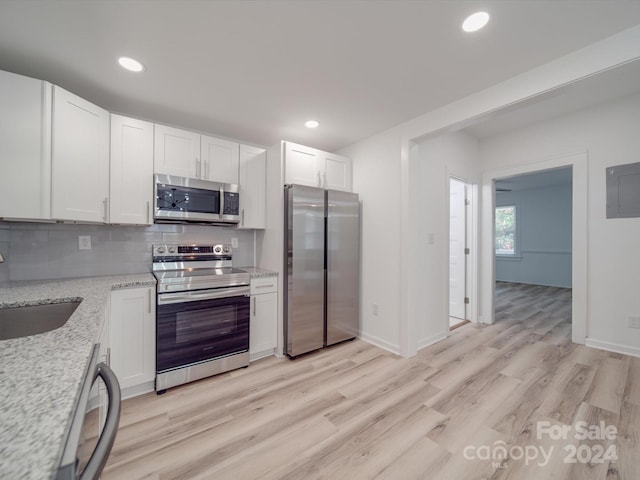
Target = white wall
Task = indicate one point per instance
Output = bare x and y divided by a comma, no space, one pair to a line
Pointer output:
543,219
455,154
609,133
383,170
376,178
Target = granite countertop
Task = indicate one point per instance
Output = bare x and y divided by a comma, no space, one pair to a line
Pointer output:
41,375
257,272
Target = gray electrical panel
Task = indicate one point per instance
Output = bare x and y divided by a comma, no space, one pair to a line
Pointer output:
623,191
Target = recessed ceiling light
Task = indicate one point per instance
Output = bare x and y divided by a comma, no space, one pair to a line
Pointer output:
475,22
131,64
311,124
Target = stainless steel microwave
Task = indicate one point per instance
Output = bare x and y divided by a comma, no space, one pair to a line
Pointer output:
183,200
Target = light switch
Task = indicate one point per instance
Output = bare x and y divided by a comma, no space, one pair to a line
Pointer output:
234,242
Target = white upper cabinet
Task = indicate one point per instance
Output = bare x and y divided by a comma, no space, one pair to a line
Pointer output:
253,170
336,172
315,168
80,159
131,186
25,147
176,152
188,154
220,160
302,165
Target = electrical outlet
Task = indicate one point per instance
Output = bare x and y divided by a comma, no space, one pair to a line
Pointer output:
376,309
84,242
234,242
634,322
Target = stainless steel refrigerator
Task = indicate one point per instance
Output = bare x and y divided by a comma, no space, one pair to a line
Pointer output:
322,271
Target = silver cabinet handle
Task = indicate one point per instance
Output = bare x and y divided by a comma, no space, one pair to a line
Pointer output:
254,306
148,211
206,169
104,206
105,443
264,286
108,359
243,217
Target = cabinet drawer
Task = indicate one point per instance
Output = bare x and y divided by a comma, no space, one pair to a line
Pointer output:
264,285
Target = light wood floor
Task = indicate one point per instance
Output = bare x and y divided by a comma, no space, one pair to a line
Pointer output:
357,412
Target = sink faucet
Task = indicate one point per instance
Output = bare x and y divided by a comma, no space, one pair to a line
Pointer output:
1,258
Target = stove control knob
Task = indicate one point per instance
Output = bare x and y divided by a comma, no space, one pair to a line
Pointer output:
160,250
226,249
172,249
217,249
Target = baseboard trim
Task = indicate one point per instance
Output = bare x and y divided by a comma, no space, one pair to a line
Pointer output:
135,390
612,347
263,354
426,342
379,343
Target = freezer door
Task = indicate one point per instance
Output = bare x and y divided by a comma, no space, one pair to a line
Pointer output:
304,232
343,266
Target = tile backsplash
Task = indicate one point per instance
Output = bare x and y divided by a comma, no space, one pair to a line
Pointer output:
38,251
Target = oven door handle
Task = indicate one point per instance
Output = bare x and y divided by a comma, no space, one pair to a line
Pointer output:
181,297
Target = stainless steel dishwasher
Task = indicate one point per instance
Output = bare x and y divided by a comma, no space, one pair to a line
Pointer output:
75,463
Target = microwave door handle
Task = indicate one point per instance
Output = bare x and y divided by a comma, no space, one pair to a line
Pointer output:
221,212
103,448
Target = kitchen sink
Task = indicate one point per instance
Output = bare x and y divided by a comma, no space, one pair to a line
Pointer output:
18,322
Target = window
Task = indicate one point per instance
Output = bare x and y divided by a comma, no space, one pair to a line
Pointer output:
506,230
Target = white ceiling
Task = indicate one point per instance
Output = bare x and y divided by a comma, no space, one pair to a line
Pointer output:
255,70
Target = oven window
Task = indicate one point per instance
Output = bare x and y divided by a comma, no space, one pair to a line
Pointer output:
193,326
187,199
193,332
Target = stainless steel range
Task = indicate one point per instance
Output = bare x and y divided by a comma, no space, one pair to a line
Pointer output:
202,314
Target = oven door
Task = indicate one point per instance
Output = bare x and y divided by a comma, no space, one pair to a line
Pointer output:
201,325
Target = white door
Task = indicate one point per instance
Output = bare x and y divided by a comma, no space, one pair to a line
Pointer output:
337,172
132,335
457,245
219,160
131,196
176,152
253,172
80,159
25,147
301,165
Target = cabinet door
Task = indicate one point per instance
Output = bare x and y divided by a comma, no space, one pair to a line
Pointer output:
219,160
336,172
302,165
132,335
176,152
80,159
25,147
253,171
131,186
264,325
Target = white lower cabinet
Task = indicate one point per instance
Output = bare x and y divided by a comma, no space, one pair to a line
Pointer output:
263,326
132,339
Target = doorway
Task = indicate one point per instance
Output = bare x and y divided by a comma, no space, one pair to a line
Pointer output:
459,251
578,163
533,248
